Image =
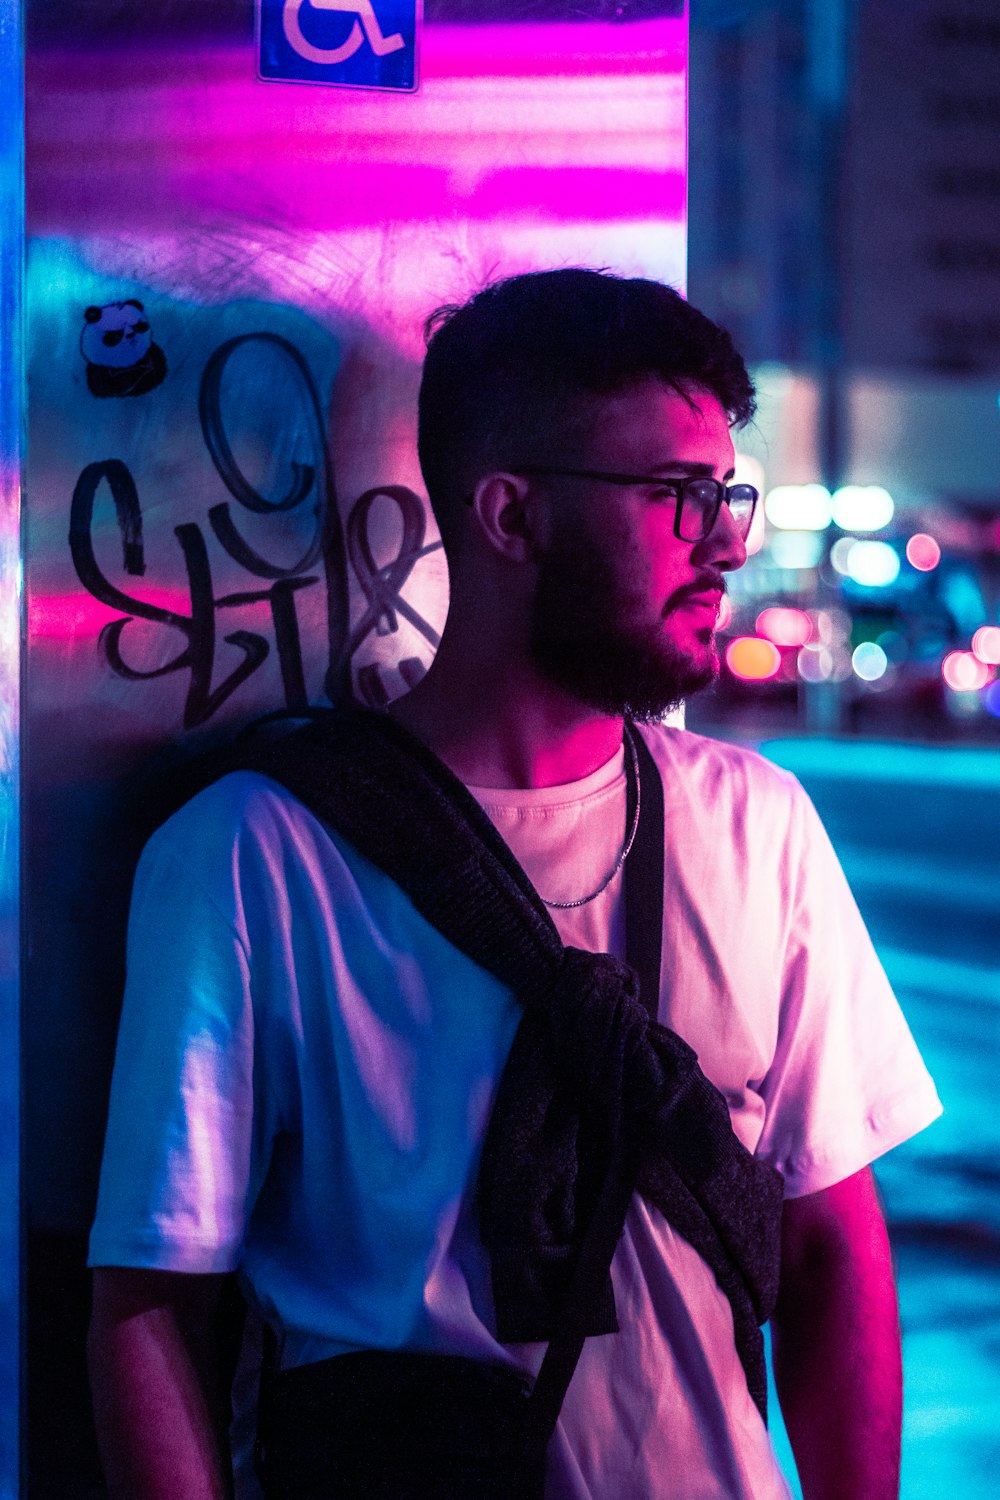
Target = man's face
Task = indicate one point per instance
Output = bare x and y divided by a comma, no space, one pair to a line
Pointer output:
624,614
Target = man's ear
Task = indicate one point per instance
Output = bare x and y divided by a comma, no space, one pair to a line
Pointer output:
505,518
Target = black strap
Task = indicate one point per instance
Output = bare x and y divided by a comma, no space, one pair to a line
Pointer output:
643,950
386,794
644,882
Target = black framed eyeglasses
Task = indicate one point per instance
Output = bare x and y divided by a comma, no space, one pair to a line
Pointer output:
698,500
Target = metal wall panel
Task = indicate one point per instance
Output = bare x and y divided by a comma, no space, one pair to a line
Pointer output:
226,284
11,244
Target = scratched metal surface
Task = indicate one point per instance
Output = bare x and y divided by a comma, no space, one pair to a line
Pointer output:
11,243
226,282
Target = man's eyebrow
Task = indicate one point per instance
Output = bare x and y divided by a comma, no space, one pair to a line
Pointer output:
688,467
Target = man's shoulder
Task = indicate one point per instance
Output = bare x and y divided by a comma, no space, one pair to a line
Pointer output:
239,806
243,842
712,765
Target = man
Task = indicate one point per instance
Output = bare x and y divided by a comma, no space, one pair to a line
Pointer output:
307,1067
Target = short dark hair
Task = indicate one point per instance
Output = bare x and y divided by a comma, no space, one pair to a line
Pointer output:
519,359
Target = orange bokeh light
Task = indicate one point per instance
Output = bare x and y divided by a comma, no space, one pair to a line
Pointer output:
752,659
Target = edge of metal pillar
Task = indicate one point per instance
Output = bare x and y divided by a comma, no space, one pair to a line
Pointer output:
11,636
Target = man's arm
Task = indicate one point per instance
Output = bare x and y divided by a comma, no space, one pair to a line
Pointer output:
836,1343
157,1378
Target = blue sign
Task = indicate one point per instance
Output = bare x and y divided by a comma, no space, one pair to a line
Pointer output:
361,44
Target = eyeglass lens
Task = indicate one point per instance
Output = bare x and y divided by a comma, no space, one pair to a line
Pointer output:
700,502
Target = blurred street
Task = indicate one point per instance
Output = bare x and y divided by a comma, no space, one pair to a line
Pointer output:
918,832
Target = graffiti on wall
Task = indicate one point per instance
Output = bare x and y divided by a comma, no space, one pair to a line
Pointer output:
218,661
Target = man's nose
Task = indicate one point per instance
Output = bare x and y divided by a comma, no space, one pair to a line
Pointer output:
723,548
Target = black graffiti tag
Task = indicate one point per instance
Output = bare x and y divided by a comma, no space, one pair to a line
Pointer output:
311,486
198,628
327,544
382,584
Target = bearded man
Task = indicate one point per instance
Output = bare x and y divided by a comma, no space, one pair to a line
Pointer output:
394,1071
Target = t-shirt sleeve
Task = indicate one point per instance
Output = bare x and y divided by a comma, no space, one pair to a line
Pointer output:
847,1082
177,1168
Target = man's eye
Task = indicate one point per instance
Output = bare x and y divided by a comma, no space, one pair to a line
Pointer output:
664,494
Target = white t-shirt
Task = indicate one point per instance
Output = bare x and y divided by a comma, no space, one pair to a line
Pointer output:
306,1068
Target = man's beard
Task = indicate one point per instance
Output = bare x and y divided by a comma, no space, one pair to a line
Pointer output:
583,641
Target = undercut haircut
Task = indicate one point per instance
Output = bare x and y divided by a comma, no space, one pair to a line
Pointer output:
512,372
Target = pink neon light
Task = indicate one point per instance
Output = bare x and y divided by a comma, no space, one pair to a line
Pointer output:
548,123
511,49
923,552
419,193
658,46
63,616
986,644
965,673
785,627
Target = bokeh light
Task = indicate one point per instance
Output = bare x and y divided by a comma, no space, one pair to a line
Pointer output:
840,554
862,507
923,552
986,644
991,699
832,626
815,663
874,565
784,626
757,534
796,549
798,507
869,661
750,470
964,672
752,659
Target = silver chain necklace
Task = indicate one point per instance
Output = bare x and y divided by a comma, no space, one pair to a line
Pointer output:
629,838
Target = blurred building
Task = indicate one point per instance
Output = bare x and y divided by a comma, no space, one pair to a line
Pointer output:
845,179
845,226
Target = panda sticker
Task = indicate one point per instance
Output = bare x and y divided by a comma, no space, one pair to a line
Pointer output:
117,344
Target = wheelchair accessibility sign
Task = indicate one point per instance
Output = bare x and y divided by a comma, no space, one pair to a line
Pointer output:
361,44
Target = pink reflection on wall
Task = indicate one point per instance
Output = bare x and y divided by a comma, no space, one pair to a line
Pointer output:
555,49
585,122
63,616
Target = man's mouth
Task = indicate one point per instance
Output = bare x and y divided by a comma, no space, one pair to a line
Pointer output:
695,596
